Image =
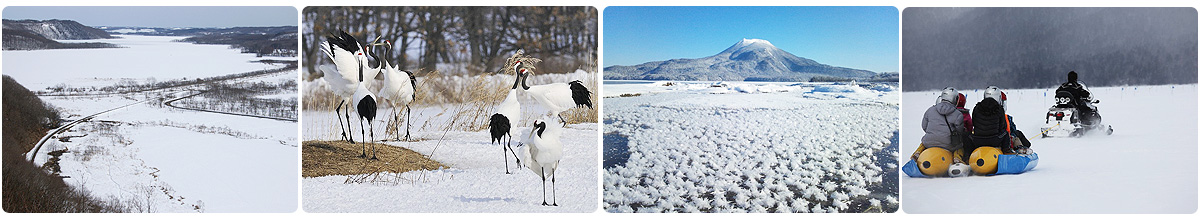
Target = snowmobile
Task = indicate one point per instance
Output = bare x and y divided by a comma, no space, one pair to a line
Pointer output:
1064,119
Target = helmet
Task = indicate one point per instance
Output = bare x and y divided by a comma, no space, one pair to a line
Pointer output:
1072,76
949,94
995,93
984,160
962,100
934,161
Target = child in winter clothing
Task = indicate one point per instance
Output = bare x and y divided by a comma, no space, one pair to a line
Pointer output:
962,101
995,128
941,123
968,145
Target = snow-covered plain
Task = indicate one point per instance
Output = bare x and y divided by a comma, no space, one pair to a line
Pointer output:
749,147
475,181
142,57
1148,165
154,158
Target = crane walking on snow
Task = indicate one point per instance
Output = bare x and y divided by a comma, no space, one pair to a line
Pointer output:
507,116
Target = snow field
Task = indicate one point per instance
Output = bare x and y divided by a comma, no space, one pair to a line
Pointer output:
156,56
1148,165
190,155
694,151
153,158
475,181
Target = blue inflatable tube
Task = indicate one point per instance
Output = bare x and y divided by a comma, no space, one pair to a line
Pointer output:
912,170
1016,163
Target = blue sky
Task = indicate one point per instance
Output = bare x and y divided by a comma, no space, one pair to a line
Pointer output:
855,37
160,16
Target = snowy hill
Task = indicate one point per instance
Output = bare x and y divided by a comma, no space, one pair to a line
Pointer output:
36,35
1147,166
747,60
57,29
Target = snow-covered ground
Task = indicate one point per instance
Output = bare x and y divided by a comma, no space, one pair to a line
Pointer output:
160,159
475,181
142,57
749,147
1148,165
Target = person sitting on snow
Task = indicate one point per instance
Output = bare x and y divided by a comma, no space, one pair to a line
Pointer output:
1082,97
994,127
968,145
944,128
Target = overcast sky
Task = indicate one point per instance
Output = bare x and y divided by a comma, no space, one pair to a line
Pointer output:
161,16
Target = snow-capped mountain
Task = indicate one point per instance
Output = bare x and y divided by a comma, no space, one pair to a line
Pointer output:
747,60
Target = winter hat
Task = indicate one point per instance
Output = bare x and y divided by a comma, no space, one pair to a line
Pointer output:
962,100
949,94
1072,76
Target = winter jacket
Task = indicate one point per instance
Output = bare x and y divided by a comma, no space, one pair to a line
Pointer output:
967,119
1076,89
994,128
1081,97
991,128
934,123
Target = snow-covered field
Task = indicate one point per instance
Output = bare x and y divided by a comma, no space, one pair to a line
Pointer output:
475,181
153,158
1148,165
749,147
143,57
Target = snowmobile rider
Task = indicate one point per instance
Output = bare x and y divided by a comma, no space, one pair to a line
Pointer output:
994,127
941,123
1082,97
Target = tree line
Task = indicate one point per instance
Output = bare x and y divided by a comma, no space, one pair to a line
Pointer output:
479,37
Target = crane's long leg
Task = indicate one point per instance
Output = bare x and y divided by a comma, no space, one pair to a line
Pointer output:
560,118
408,123
348,125
364,135
514,152
553,188
340,125
373,151
504,153
543,174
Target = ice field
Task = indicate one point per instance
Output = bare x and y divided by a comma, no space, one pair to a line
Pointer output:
749,147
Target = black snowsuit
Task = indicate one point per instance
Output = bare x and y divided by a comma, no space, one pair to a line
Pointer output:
994,128
1081,100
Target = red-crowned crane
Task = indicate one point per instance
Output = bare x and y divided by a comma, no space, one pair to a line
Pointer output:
541,151
506,118
350,68
399,87
556,97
